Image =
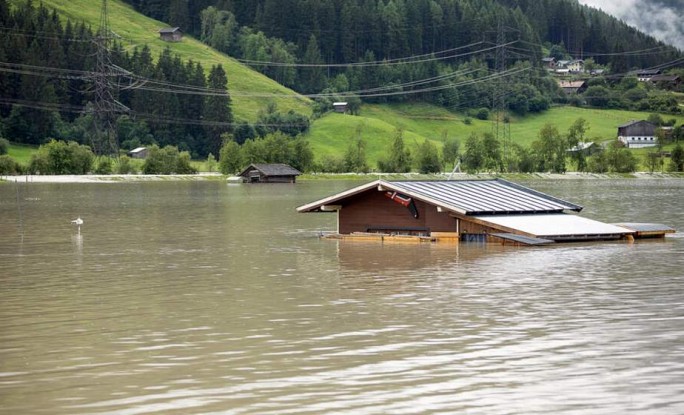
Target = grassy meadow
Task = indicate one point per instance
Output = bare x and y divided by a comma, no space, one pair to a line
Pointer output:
245,85
331,134
21,153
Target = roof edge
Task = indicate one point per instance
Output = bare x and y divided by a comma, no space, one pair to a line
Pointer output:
311,207
573,207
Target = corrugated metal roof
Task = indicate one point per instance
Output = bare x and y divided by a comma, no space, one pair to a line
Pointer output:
475,197
469,197
273,170
169,30
558,225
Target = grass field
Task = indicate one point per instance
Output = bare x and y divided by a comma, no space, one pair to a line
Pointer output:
21,153
331,134
246,86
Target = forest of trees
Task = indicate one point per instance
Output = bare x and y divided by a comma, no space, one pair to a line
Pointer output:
349,46
440,51
47,83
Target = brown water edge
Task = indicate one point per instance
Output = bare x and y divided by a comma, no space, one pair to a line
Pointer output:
118,178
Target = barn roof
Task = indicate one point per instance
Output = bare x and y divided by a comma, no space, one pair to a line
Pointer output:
635,122
273,170
571,84
170,30
468,197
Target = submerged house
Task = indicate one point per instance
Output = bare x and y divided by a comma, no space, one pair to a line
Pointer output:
270,173
471,210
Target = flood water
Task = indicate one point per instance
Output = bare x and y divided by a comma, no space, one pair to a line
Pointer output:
215,298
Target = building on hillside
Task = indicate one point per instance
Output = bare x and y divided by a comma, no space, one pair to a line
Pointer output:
645,75
549,63
666,81
469,210
575,66
138,153
638,134
340,107
171,34
269,173
573,87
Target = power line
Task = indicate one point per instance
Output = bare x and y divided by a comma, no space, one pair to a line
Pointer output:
428,57
105,106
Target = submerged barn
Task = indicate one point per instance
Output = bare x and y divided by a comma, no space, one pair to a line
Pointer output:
270,173
472,210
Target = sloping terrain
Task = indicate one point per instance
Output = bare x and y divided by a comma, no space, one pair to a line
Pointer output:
250,90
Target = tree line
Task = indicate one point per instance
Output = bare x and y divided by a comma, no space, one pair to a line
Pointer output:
47,88
295,47
553,151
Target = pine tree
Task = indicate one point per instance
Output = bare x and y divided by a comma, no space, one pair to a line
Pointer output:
312,78
217,110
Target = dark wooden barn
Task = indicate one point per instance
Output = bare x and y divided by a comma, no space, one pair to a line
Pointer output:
270,173
171,34
471,210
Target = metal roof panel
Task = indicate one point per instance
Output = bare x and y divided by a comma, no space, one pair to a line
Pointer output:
554,225
483,196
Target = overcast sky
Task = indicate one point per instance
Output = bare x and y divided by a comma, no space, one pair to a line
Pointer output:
663,19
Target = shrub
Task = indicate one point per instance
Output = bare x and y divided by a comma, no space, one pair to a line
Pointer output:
4,146
167,160
230,158
103,166
58,157
124,165
9,166
211,163
331,164
677,161
427,158
482,114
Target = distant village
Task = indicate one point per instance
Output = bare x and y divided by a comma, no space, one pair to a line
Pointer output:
572,77
570,72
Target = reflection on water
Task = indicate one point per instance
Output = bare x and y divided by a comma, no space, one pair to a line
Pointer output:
213,298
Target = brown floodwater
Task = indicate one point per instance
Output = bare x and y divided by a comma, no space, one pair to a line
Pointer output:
215,298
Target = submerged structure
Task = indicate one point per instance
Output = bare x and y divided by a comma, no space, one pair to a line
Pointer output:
470,210
269,173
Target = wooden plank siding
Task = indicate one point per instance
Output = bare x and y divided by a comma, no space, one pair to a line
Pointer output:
374,210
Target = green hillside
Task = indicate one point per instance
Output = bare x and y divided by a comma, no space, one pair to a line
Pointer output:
244,84
331,134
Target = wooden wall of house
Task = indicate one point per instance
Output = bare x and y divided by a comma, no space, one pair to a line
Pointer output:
375,210
278,179
469,227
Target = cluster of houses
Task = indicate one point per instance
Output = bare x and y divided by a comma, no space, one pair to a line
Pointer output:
567,67
577,67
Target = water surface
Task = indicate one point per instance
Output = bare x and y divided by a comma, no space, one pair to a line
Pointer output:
214,298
